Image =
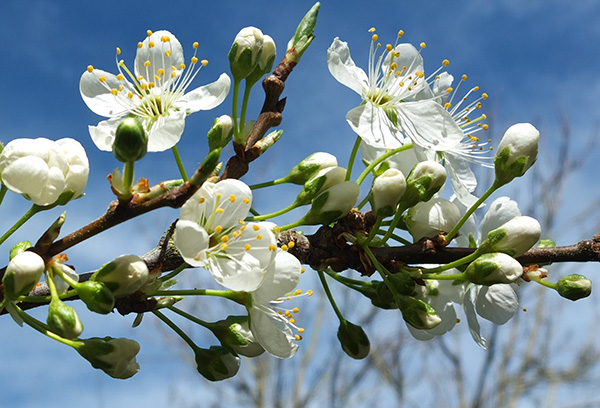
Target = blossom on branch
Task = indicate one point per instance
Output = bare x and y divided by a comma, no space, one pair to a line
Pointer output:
155,92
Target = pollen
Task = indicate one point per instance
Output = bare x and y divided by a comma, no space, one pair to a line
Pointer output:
149,33
309,293
130,95
161,72
120,77
220,211
118,51
388,47
284,247
423,45
167,53
150,44
464,77
400,33
255,227
486,127
232,198
272,248
246,201
295,310
449,90
445,62
195,45
223,247
194,60
225,238
218,229
291,244
182,66
204,62
298,337
300,330
147,63
90,68
114,91
375,37
140,45
259,237
372,29
247,247
484,96
241,222
102,79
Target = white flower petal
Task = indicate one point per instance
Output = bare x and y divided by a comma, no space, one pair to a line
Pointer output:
166,131
374,127
103,135
191,241
205,97
343,69
462,179
243,273
156,55
282,277
97,95
272,332
474,327
496,303
500,211
235,199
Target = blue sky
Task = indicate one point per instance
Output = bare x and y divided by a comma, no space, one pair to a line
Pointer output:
537,60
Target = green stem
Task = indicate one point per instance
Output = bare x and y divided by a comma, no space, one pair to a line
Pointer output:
495,186
347,281
175,328
128,175
30,213
39,326
364,201
174,273
380,159
3,191
330,297
273,214
352,158
393,224
238,297
292,225
190,317
180,166
247,89
267,184
236,124
454,264
383,272
373,231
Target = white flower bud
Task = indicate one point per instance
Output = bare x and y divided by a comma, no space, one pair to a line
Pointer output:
265,61
493,268
116,357
387,191
516,153
234,332
333,203
514,237
324,179
63,320
419,314
221,132
424,180
216,363
124,275
245,51
22,274
427,219
307,168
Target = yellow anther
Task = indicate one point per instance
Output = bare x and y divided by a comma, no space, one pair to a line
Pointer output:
161,72
401,84
259,237
218,229
90,68
464,77
445,62
232,198
309,293
292,320
167,53
225,238
272,248
449,90
302,270
147,63
243,227
475,89
201,200
388,47
374,37
298,337
241,222
420,74
165,38
204,62
140,45
150,44
182,66
114,91
149,33
235,234
478,106
291,244
130,95
300,330
156,78
255,227
151,85
194,60
473,138
276,230
120,77
295,310
298,292
102,79
140,78
393,66
486,126
120,87
288,313
223,247
372,29
246,201
195,45
173,74
484,96
118,51
284,247
400,33
447,105
247,247
423,45
220,210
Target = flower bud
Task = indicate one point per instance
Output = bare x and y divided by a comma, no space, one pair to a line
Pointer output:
96,296
245,52
574,287
116,357
427,219
423,182
124,275
333,204
387,191
419,314
309,167
221,132
354,340
514,237
325,178
63,320
516,152
493,268
131,140
216,363
19,248
22,274
234,333
265,61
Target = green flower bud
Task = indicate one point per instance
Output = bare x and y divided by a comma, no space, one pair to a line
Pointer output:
354,340
493,268
216,363
387,191
332,204
427,219
123,276
514,237
265,62
516,153
22,274
96,296
234,333
131,141
63,320
423,182
574,287
116,357
221,132
325,178
19,248
309,167
245,52
419,314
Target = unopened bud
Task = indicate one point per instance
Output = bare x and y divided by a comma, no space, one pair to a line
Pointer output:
574,287
423,182
124,275
427,219
324,179
116,357
304,34
18,248
387,191
514,237
96,296
63,320
216,363
516,153
131,141
354,340
234,333
333,204
221,132
493,268
245,52
309,167
265,62
22,274
419,314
